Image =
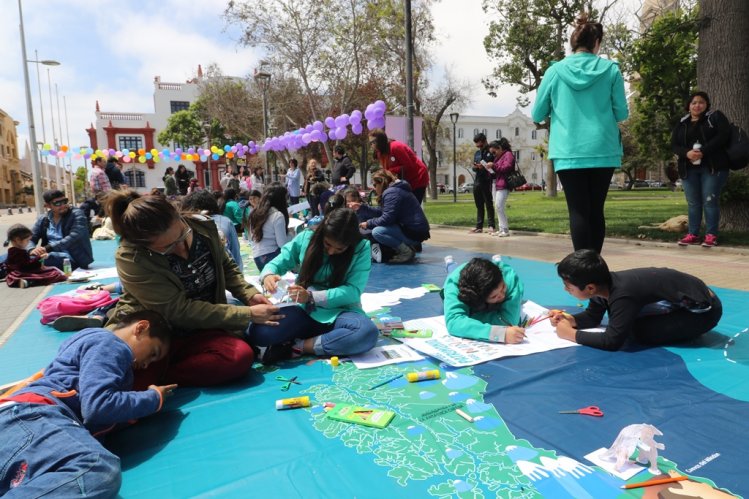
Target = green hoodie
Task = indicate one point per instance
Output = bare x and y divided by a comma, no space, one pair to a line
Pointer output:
584,96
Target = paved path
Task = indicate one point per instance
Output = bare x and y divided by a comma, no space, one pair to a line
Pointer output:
722,267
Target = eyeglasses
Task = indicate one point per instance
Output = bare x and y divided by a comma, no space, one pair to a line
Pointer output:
59,202
179,240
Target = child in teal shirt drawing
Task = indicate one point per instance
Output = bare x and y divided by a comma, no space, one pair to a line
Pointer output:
482,301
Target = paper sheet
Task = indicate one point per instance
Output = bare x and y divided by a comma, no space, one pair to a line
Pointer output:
94,273
460,352
384,355
630,469
375,301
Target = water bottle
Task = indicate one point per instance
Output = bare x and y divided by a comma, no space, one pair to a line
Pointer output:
696,147
449,264
67,268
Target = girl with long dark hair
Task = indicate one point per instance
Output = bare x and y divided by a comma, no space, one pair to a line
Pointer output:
334,264
267,225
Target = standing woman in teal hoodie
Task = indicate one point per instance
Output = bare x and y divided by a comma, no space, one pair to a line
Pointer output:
582,97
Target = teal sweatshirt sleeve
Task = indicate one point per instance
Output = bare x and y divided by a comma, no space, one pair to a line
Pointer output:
618,97
542,106
483,325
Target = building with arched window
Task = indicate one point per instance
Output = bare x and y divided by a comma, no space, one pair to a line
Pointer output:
527,143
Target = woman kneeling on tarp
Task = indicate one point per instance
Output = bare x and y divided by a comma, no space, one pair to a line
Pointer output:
334,264
482,302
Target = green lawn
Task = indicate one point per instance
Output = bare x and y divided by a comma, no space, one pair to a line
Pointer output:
532,211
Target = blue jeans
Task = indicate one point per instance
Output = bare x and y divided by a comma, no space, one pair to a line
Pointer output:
46,451
702,190
55,259
351,333
391,235
262,260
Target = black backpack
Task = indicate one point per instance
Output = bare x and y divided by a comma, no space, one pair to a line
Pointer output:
738,148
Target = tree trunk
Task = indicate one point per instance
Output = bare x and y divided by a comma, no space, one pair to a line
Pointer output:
723,72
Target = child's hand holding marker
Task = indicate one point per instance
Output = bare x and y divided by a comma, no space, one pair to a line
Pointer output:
555,316
514,334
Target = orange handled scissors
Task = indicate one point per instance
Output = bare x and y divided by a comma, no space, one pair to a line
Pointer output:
591,410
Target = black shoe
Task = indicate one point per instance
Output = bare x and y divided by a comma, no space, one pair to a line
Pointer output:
275,353
417,248
76,322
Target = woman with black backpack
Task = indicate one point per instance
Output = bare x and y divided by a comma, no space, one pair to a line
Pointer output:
700,140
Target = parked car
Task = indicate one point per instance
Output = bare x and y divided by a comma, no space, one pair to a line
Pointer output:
613,185
466,187
529,187
442,188
640,183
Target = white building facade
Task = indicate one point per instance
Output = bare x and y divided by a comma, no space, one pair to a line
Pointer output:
127,130
526,141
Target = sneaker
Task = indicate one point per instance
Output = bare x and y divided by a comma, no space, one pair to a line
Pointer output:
710,241
475,231
376,253
690,239
491,231
76,322
504,233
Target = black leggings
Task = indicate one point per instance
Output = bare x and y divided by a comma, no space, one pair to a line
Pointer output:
482,196
586,190
680,325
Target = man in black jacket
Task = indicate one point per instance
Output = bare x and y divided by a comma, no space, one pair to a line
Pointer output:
343,168
482,184
114,172
63,232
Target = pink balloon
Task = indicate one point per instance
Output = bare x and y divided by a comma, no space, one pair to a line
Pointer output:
126,159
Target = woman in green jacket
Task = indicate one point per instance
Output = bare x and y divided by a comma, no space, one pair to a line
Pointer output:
175,264
334,264
482,302
582,97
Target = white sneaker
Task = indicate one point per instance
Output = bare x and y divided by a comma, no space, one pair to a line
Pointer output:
376,253
504,233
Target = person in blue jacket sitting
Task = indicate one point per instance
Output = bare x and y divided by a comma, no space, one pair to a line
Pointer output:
49,426
399,222
334,263
63,232
482,301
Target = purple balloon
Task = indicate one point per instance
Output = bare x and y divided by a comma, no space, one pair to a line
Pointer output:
191,150
341,121
356,114
317,125
323,137
341,132
315,135
332,134
306,138
354,119
111,152
178,151
330,122
356,128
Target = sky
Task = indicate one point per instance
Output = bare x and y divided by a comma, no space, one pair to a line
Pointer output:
111,50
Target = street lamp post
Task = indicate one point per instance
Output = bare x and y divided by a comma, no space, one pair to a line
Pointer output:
35,172
263,79
207,128
454,118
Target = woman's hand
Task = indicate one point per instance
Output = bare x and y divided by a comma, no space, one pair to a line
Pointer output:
259,299
566,330
269,282
694,155
363,225
514,334
299,294
354,206
266,314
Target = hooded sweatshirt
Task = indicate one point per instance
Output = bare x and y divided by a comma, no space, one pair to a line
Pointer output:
584,96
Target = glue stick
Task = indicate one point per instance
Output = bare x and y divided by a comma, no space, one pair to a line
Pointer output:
292,403
423,375
334,361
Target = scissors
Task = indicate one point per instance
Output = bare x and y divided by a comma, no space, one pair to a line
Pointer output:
591,410
288,382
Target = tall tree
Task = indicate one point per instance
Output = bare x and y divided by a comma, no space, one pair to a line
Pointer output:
723,72
183,128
